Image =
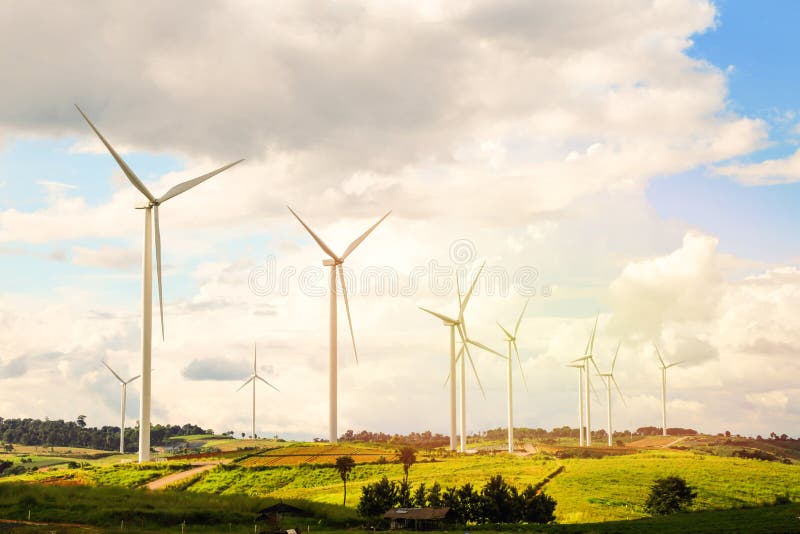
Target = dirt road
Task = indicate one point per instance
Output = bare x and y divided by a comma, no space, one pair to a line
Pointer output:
163,482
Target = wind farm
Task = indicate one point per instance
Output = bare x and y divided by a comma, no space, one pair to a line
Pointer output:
559,239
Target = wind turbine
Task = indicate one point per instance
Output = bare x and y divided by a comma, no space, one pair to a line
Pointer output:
609,378
255,376
124,384
150,214
511,339
587,385
457,324
334,262
664,368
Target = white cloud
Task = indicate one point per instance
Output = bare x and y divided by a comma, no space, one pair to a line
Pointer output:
768,172
106,257
771,400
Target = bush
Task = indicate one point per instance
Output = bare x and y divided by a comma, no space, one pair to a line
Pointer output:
669,495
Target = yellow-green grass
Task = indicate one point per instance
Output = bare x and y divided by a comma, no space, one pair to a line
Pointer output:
323,484
615,487
120,475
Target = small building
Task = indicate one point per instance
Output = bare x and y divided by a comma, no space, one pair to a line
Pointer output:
274,513
419,518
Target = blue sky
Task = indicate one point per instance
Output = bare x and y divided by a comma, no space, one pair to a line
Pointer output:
759,40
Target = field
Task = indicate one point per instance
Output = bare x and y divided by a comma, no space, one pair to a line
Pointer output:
606,489
316,454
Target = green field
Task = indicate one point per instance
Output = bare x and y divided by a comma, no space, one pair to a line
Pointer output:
602,490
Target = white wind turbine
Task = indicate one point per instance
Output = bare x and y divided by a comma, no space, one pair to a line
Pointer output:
255,376
124,384
457,324
586,402
664,368
334,262
150,214
511,339
609,378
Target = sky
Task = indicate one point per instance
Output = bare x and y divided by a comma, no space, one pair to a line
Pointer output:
638,162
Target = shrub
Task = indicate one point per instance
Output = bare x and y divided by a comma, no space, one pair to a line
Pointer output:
537,507
669,495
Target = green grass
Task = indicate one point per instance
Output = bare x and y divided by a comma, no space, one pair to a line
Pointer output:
615,487
147,512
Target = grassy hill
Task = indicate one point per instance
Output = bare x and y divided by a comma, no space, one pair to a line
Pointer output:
606,489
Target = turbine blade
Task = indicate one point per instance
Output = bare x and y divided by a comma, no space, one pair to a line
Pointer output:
132,379
506,332
439,315
158,268
475,371
255,357
267,383
590,343
487,349
621,396
596,368
616,353
137,183
319,241
246,382
188,184
519,361
363,236
347,308
658,353
113,372
516,328
674,364
582,359
471,288
594,391
458,291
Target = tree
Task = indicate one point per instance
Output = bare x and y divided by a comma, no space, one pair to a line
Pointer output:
404,494
82,421
345,464
420,496
408,457
377,498
435,496
469,502
536,506
499,501
669,495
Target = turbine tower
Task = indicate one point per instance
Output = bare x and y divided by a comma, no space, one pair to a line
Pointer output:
150,217
457,324
124,384
511,339
586,404
255,376
334,262
608,379
664,368
579,367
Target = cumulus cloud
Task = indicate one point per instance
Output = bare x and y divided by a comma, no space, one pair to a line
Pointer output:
683,286
106,257
771,400
768,172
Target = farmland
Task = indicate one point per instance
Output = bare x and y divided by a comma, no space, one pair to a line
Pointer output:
609,487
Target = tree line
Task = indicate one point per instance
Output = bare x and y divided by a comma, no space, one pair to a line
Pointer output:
496,502
60,433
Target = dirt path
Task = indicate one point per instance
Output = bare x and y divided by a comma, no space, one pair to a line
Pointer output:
671,443
163,482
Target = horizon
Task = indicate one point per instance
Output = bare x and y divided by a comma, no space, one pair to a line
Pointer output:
642,168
